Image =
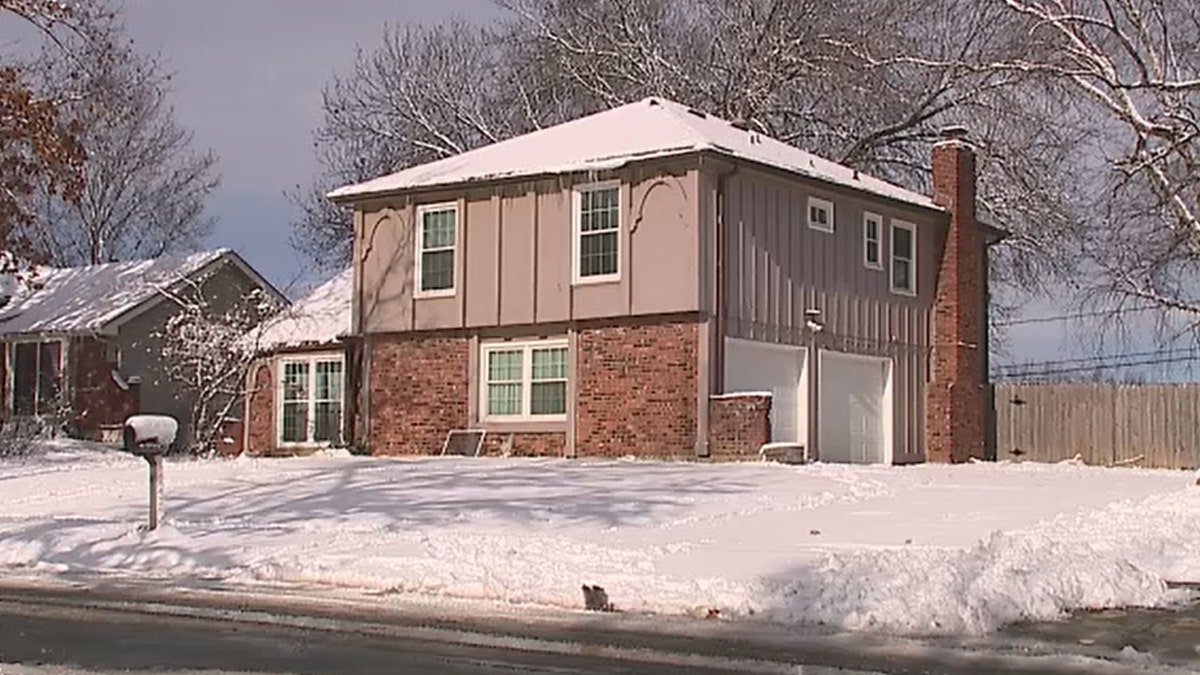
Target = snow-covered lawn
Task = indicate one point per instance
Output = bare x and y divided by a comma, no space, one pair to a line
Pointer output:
917,550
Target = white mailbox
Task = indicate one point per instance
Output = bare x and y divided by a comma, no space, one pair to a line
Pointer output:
150,437
149,434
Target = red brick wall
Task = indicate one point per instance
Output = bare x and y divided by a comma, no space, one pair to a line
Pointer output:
636,390
526,444
260,409
96,400
418,392
738,426
956,403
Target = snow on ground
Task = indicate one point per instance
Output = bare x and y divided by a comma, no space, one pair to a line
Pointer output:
916,550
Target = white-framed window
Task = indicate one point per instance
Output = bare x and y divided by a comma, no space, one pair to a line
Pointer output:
311,400
596,217
437,236
37,377
873,240
820,214
904,258
523,381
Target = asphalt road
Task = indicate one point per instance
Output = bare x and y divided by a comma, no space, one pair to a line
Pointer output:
51,640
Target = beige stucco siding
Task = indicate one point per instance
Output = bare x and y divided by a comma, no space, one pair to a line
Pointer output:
513,257
776,267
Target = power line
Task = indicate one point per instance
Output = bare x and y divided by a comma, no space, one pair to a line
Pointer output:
1077,315
1030,365
1101,366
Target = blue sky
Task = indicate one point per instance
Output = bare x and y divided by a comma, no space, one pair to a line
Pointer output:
248,76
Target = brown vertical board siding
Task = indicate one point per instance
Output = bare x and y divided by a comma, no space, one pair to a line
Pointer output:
480,268
777,267
516,258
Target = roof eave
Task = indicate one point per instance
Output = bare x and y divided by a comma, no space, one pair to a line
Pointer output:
350,198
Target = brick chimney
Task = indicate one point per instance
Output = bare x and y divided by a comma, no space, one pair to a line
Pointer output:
956,402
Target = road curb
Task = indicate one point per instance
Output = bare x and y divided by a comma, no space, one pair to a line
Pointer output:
747,647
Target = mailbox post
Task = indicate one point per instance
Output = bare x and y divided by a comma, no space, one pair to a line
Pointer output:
149,437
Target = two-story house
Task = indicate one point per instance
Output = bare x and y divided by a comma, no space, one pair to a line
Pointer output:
654,281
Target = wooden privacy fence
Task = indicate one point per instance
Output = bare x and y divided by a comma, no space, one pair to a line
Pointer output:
1105,424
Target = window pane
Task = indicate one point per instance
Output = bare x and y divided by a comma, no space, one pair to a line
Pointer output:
438,229
550,364
902,243
505,366
504,399
329,381
548,398
902,274
437,271
295,422
49,377
25,377
872,251
598,254
598,210
328,424
295,382
873,230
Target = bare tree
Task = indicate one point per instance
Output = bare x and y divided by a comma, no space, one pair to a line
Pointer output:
1129,71
423,94
206,350
144,188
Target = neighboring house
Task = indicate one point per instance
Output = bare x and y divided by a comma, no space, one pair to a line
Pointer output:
82,346
651,280
296,393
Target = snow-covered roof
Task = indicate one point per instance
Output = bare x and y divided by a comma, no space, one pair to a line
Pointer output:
319,319
650,128
85,299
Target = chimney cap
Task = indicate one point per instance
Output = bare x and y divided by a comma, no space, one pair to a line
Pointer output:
953,132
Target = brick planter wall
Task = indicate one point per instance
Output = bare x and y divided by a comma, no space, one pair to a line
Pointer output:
418,392
738,426
636,390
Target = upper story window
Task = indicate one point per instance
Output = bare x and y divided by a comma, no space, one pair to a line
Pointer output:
524,380
904,258
437,236
597,220
872,240
820,214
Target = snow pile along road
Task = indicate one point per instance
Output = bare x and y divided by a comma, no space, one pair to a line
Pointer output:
917,550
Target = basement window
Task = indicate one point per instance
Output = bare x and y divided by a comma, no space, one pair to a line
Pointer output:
872,246
524,380
36,377
311,400
436,239
597,233
820,214
904,258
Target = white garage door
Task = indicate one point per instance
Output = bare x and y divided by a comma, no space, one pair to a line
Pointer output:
766,367
854,404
